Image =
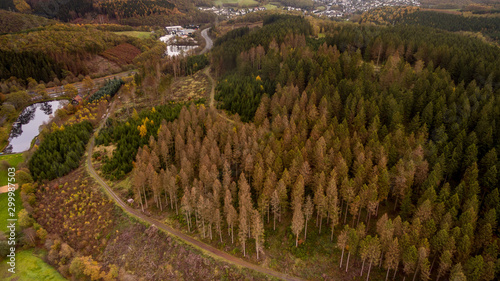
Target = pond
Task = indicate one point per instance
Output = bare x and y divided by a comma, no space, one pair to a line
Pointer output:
173,48
26,126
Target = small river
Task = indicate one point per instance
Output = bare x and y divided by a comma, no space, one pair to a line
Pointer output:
28,122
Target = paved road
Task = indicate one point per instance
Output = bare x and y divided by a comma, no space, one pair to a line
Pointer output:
214,252
209,43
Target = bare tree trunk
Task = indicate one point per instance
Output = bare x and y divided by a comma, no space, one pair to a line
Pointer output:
187,220
369,268
257,247
297,241
415,275
232,234
348,256
140,199
395,271
359,216
196,219
362,268
320,222
342,257
220,232
387,275
381,258
145,198
345,216
244,252
331,237
274,221
305,231
341,206
267,214
433,260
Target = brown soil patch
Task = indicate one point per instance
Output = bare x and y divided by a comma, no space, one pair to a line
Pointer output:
122,54
5,188
100,66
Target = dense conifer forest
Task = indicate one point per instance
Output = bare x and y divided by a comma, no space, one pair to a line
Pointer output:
328,149
60,151
489,26
383,139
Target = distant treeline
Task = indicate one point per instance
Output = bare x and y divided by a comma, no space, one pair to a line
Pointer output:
489,26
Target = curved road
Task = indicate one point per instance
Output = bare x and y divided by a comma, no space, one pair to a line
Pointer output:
214,252
209,43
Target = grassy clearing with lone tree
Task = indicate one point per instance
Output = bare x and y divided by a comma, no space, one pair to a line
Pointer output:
13,160
30,267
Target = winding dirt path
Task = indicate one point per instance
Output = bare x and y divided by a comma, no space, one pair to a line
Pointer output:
214,252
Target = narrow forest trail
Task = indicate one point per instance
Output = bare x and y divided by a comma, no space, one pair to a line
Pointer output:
212,94
212,85
208,249
213,252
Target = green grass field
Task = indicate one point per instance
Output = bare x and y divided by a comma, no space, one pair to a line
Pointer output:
4,215
14,160
138,34
241,3
30,267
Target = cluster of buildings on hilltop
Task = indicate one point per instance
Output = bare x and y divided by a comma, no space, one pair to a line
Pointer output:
231,12
181,31
333,8
339,8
